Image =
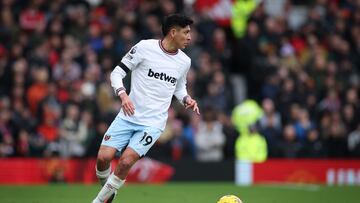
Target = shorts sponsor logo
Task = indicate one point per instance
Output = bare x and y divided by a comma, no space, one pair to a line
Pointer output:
107,137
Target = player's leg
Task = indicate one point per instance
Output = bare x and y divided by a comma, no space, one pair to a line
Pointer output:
115,139
126,161
117,179
103,163
139,145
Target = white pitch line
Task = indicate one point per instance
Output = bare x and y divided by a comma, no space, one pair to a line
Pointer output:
292,186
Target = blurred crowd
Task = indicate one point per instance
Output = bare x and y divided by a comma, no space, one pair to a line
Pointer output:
56,57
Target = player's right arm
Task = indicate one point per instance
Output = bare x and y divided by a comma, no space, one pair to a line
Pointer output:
129,62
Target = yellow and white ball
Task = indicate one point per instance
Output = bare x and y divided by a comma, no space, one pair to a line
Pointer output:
229,199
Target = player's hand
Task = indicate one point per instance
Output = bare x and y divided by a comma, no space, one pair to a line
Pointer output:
191,103
127,105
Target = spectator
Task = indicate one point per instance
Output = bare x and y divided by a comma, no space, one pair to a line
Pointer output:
270,125
289,146
67,69
336,142
38,90
270,113
353,142
23,144
104,96
230,135
303,125
73,132
7,145
313,146
209,138
32,18
350,118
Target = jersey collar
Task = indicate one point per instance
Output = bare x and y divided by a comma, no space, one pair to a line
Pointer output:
165,51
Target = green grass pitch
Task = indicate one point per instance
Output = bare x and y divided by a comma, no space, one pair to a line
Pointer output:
182,193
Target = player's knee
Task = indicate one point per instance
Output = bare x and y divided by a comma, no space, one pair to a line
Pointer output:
103,158
126,162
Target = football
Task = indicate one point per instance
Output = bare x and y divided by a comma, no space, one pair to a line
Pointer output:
229,199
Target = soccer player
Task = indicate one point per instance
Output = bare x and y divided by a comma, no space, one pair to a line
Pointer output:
159,70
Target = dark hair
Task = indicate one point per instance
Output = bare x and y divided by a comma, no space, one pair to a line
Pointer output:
210,114
175,20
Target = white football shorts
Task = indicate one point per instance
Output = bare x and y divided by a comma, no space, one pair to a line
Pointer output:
122,133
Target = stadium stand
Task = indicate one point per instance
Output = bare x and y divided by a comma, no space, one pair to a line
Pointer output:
56,57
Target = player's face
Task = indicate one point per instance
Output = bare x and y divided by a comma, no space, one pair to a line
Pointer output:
183,37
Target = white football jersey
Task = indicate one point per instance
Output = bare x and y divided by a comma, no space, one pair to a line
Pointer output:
156,75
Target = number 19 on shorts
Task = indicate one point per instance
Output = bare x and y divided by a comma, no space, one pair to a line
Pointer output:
146,139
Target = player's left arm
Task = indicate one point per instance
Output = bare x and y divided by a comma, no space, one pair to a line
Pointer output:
183,97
